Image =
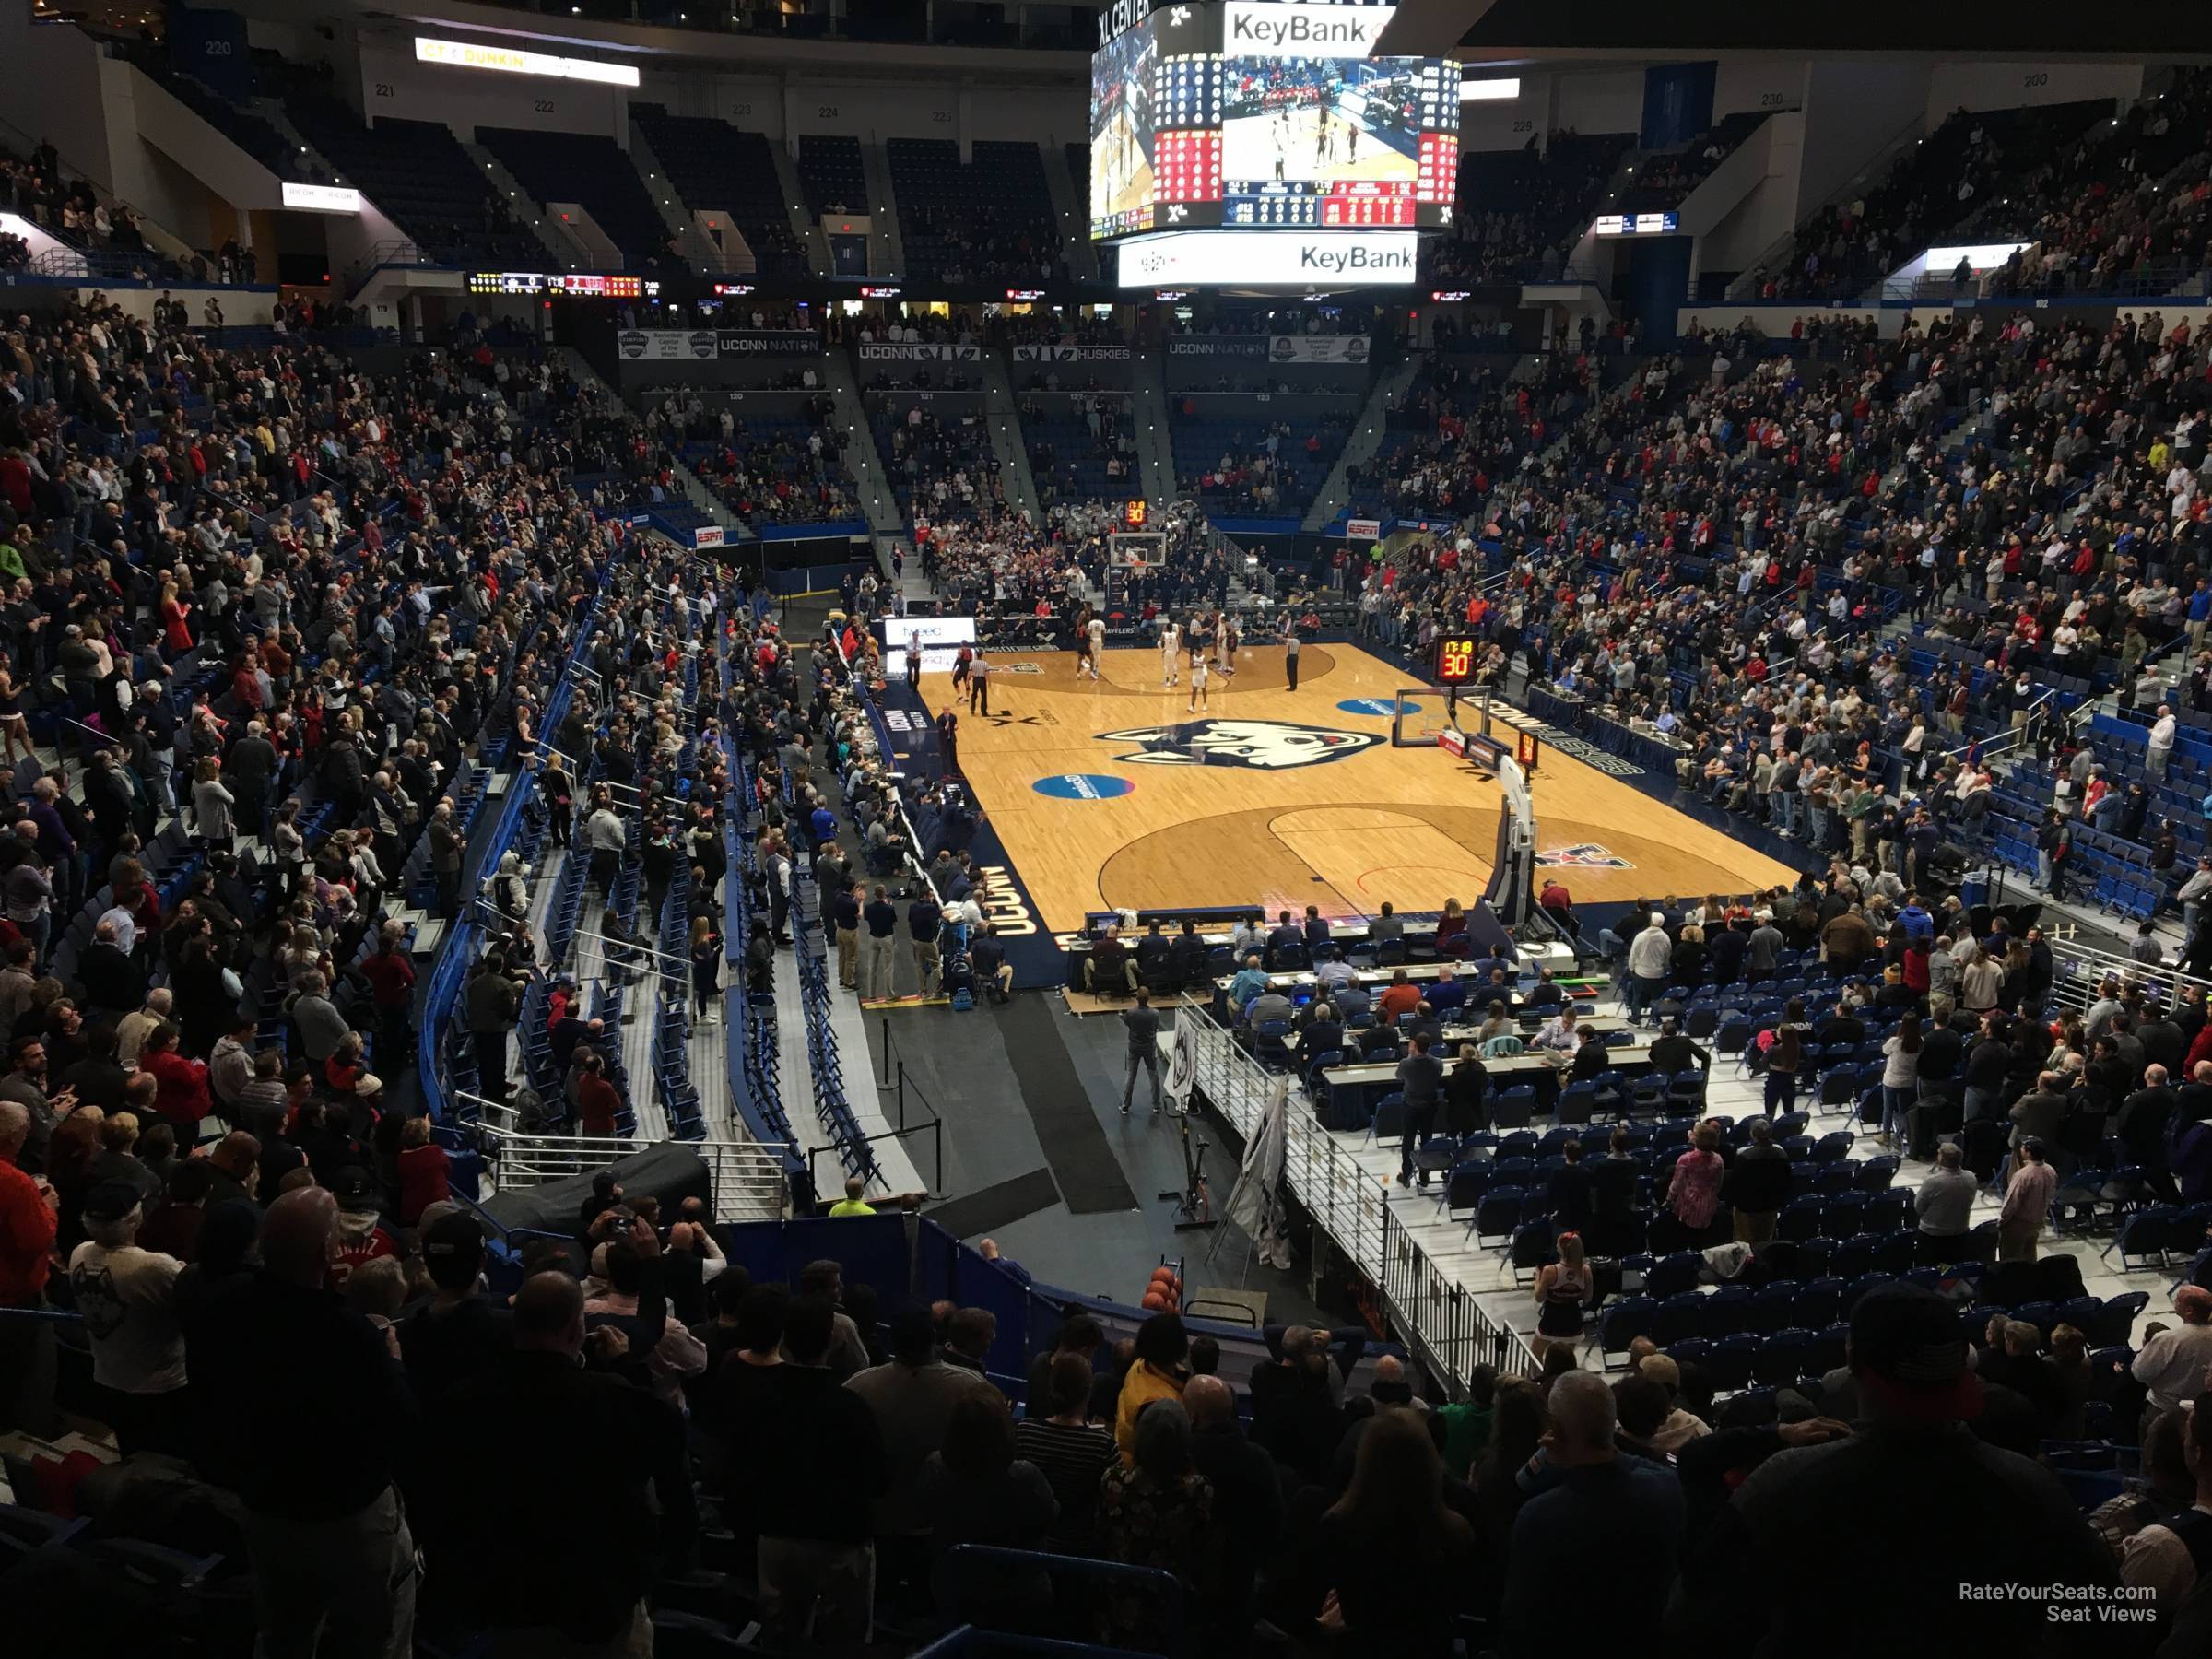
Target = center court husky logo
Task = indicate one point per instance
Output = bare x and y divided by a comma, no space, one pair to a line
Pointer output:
1268,745
1584,856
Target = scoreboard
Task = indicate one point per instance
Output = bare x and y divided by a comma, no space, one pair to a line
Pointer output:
576,285
1254,115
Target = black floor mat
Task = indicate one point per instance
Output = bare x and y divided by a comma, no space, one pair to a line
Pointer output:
1082,1160
1001,1204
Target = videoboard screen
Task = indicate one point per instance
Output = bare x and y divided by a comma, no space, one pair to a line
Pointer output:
1262,116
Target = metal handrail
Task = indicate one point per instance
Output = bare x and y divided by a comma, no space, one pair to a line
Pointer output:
2077,971
1435,1311
747,1177
2012,739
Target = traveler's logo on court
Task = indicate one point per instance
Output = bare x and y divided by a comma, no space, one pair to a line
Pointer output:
1267,745
1584,856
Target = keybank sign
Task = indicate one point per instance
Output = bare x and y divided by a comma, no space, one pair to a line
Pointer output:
1250,29
1196,258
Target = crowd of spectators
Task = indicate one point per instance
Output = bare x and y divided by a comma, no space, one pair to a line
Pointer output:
2127,225
71,210
1458,430
943,468
1709,553
264,602
1972,158
1518,213
785,468
1662,182
1081,447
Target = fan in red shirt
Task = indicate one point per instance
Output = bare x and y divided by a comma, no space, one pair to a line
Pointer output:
182,1098
597,1100
362,1237
425,1171
27,1216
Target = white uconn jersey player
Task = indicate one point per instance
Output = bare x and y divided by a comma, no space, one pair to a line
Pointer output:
1167,637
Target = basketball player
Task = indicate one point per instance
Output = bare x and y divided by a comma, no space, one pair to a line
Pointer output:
1083,647
960,667
1226,642
1095,637
1168,636
1198,697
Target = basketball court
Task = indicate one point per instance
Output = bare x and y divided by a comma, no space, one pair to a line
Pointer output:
1315,141
1114,795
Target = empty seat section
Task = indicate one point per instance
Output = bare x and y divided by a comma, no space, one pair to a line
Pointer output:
716,167
421,178
597,175
988,218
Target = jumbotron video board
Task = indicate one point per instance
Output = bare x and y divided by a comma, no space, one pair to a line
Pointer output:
1254,114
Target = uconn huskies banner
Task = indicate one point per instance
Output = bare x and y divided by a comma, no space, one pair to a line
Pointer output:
1071,354
894,351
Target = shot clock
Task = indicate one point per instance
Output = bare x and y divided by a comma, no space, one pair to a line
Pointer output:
1454,661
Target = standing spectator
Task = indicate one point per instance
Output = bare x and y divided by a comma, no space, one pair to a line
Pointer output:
2027,1205
26,1235
1901,1079
977,1491
1072,1451
330,1543
1142,1023
1621,1510
813,1480
1650,958
1156,1510
1942,1204
1757,1185
2173,1366
878,945
1693,1191
1421,1080
127,1298
911,1398
1157,1372
515,1502
2001,1519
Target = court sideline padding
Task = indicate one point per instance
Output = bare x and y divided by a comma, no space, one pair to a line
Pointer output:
1082,1160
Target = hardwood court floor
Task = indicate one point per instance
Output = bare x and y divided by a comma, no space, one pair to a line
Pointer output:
1298,801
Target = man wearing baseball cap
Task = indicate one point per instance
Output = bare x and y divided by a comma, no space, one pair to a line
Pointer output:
459,1332
128,1298
1963,1543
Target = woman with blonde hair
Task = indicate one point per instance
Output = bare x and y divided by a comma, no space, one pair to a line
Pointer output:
176,631
1562,1291
1452,924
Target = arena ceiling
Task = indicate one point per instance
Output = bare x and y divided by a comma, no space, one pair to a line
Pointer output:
1502,30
